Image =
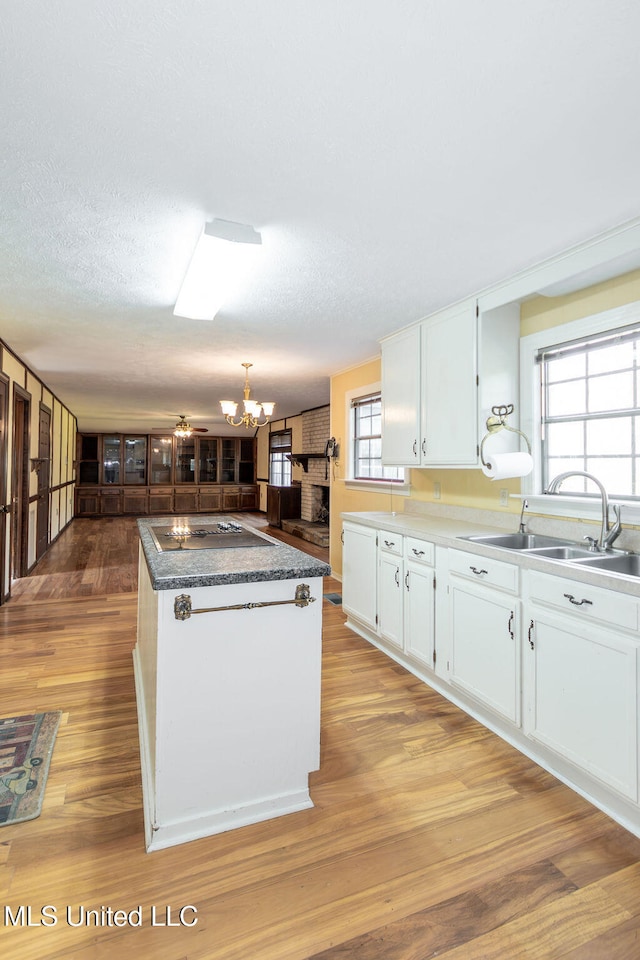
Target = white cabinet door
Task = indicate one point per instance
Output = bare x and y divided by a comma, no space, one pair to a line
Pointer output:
401,398
581,695
359,571
485,654
449,388
390,598
419,605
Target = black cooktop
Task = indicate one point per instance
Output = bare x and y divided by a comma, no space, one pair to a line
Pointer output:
216,536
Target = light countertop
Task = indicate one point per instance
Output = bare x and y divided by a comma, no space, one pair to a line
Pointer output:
446,532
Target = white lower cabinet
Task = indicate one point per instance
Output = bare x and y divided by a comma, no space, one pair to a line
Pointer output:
419,607
359,573
390,597
581,687
484,646
550,664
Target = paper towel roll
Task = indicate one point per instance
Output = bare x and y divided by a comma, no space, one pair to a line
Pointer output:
501,466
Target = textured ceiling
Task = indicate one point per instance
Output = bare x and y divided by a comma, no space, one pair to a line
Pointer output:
396,156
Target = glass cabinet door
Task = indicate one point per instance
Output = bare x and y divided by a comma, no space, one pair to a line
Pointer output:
207,460
246,463
111,457
185,460
135,459
228,460
161,459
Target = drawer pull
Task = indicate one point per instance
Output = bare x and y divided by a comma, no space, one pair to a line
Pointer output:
577,603
418,553
389,543
477,572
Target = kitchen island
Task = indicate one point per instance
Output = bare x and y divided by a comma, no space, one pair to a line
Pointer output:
227,670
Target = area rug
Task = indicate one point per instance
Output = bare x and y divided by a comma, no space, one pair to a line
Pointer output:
26,745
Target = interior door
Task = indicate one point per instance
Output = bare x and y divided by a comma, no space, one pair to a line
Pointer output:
44,473
20,484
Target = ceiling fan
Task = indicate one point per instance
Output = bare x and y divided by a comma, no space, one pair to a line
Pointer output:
182,427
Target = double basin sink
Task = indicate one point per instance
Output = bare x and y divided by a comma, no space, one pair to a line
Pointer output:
554,548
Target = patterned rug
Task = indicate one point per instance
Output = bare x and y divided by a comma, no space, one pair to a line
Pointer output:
26,745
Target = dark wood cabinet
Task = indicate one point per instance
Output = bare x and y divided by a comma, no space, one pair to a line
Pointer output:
283,503
128,460
147,475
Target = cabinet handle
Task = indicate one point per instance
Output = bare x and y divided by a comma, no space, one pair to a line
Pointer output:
397,576
529,632
509,625
406,579
424,447
342,538
389,543
577,603
418,553
415,448
477,572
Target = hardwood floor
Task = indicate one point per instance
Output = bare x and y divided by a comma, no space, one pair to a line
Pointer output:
429,835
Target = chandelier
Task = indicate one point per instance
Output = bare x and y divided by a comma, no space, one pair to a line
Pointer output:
252,409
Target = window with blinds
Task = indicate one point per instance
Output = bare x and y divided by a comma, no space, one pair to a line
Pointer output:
590,403
367,441
279,463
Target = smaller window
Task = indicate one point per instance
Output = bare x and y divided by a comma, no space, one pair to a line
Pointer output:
367,441
279,462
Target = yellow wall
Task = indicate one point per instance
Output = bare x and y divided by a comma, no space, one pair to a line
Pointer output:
469,488
541,313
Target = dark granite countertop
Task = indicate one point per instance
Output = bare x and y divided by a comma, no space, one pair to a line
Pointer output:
179,569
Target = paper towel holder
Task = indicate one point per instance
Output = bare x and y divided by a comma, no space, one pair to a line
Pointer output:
498,422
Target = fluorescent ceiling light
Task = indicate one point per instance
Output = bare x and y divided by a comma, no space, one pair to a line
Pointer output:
219,263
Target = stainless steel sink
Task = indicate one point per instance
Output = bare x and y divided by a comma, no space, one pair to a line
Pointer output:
520,541
555,548
563,553
627,563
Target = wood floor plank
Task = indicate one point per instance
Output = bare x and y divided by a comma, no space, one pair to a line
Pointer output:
429,835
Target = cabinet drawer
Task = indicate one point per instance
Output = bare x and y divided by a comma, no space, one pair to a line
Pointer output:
390,542
421,551
495,573
584,600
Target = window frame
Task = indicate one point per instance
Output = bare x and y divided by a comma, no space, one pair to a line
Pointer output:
368,485
567,505
284,448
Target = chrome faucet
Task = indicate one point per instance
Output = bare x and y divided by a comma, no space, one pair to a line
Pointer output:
523,527
607,534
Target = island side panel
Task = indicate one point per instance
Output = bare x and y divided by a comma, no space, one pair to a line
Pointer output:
145,656
238,711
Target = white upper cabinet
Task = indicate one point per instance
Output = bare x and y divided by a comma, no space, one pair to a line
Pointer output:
449,389
440,378
401,398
